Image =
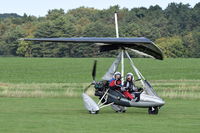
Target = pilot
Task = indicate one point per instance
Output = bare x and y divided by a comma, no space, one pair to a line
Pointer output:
130,88
115,82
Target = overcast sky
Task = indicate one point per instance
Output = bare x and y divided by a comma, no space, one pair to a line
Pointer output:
40,7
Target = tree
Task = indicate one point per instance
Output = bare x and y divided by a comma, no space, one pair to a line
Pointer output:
176,29
10,40
24,49
171,46
191,42
195,16
179,16
54,14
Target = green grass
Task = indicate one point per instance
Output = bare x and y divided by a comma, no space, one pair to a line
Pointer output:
73,70
61,77
66,115
39,95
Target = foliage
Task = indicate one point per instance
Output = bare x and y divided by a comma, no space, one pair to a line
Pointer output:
171,46
176,29
8,15
24,49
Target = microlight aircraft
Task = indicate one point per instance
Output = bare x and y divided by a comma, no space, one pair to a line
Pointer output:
108,97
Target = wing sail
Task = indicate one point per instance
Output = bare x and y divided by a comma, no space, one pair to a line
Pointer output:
141,44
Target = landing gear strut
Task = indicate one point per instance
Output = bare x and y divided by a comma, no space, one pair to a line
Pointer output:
118,109
153,110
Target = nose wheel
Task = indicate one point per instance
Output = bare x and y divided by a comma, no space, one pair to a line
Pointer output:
153,110
94,112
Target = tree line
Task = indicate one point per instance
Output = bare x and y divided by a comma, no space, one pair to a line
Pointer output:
176,30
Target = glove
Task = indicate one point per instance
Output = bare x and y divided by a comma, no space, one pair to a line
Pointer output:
123,89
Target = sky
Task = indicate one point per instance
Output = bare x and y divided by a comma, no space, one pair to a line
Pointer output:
41,7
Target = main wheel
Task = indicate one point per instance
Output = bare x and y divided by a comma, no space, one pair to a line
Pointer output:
94,112
153,110
121,111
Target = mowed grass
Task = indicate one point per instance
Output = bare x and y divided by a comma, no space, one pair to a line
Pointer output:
39,95
61,77
78,70
66,115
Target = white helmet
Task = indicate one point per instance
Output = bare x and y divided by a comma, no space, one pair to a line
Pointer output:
130,74
116,73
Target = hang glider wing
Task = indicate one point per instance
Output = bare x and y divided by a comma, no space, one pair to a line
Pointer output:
140,44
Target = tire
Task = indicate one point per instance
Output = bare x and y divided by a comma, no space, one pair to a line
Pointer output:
121,111
94,112
153,110
124,111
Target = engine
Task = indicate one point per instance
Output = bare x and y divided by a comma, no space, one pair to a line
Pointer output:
101,87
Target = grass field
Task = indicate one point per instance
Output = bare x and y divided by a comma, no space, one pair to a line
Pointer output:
43,95
73,70
66,115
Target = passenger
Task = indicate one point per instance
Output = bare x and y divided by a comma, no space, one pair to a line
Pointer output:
130,87
126,87
116,82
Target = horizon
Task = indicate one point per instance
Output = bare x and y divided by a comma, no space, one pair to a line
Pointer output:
40,8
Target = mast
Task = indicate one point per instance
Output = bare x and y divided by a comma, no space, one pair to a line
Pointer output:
122,56
122,66
116,25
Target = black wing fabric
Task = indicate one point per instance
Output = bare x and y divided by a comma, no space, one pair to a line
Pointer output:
106,44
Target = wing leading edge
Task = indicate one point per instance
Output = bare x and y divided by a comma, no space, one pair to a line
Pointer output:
141,44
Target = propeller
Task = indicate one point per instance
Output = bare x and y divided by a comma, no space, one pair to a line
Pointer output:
94,70
93,75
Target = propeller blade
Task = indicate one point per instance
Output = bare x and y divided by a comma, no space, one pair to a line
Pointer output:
93,75
94,70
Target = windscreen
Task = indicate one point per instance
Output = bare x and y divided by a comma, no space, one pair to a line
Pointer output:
149,89
109,74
